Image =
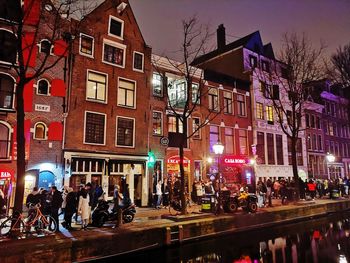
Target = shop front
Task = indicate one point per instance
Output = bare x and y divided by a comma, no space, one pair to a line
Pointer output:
7,182
173,168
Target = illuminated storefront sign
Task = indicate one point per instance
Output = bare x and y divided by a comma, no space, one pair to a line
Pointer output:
6,174
234,160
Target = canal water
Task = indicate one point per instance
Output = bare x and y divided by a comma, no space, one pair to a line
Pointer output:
321,240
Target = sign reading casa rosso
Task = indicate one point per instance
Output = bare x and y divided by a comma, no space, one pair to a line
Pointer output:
234,160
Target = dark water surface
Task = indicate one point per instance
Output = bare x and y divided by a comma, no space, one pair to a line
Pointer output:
320,240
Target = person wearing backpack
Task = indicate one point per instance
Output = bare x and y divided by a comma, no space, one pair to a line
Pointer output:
56,203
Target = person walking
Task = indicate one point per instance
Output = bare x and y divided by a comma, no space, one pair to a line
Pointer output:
269,192
159,193
71,204
165,190
84,208
56,202
118,204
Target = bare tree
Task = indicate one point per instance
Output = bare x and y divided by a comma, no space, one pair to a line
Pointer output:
36,18
284,86
190,100
340,66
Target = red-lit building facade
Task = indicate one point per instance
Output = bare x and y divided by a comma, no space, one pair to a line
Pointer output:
44,96
108,108
224,108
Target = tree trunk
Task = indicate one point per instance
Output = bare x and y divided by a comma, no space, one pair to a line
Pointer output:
19,194
295,166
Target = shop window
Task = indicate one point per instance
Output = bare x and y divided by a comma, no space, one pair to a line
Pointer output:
40,130
125,132
96,87
157,123
4,140
116,27
126,93
8,47
86,45
114,53
45,47
157,84
42,87
95,125
138,61
7,86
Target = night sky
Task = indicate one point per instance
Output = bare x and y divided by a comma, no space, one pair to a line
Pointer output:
326,20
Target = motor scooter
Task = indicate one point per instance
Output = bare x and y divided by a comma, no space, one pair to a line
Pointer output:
102,213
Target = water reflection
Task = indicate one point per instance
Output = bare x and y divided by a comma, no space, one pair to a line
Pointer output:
321,240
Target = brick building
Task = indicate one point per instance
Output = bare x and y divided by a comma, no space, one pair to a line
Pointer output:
43,97
224,107
251,60
108,107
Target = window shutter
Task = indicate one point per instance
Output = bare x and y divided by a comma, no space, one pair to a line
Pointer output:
29,50
31,12
55,132
28,96
60,48
58,88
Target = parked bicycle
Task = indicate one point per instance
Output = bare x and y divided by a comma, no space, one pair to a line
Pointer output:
36,222
175,206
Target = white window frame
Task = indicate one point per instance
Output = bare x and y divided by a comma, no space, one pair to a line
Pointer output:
116,132
162,123
135,85
245,105
106,88
122,28
217,97
117,45
105,128
161,83
51,48
34,131
143,62
14,92
36,85
8,157
232,102
93,46
5,62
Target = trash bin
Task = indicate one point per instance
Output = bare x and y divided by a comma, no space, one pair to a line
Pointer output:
208,202
335,194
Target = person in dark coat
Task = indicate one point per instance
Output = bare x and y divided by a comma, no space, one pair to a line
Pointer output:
78,194
33,198
56,202
71,204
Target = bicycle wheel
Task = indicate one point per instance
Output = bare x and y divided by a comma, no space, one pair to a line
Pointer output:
6,226
47,224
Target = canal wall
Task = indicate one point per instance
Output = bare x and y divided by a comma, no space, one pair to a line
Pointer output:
80,246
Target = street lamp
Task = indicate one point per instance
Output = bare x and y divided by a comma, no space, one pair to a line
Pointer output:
330,159
218,150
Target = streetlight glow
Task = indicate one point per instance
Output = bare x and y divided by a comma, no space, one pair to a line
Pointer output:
218,148
330,157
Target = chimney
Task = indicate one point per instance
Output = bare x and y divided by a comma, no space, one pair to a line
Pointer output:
221,36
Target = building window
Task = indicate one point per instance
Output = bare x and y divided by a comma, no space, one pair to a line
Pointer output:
270,148
312,123
8,47
126,93
227,102
95,124
157,123
307,120
279,149
196,129
314,142
10,10
40,130
269,114
45,47
4,140
308,142
265,65
177,93
213,137
243,142
260,147
138,61
229,142
114,54
157,85
42,87
213,99
259,111
284,72
174,125
96,86
241,105
86,45
116,27
195,94
318,122
253,61
7,86
175,132
125,132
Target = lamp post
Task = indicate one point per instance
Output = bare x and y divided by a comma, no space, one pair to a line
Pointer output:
330,159
218,150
